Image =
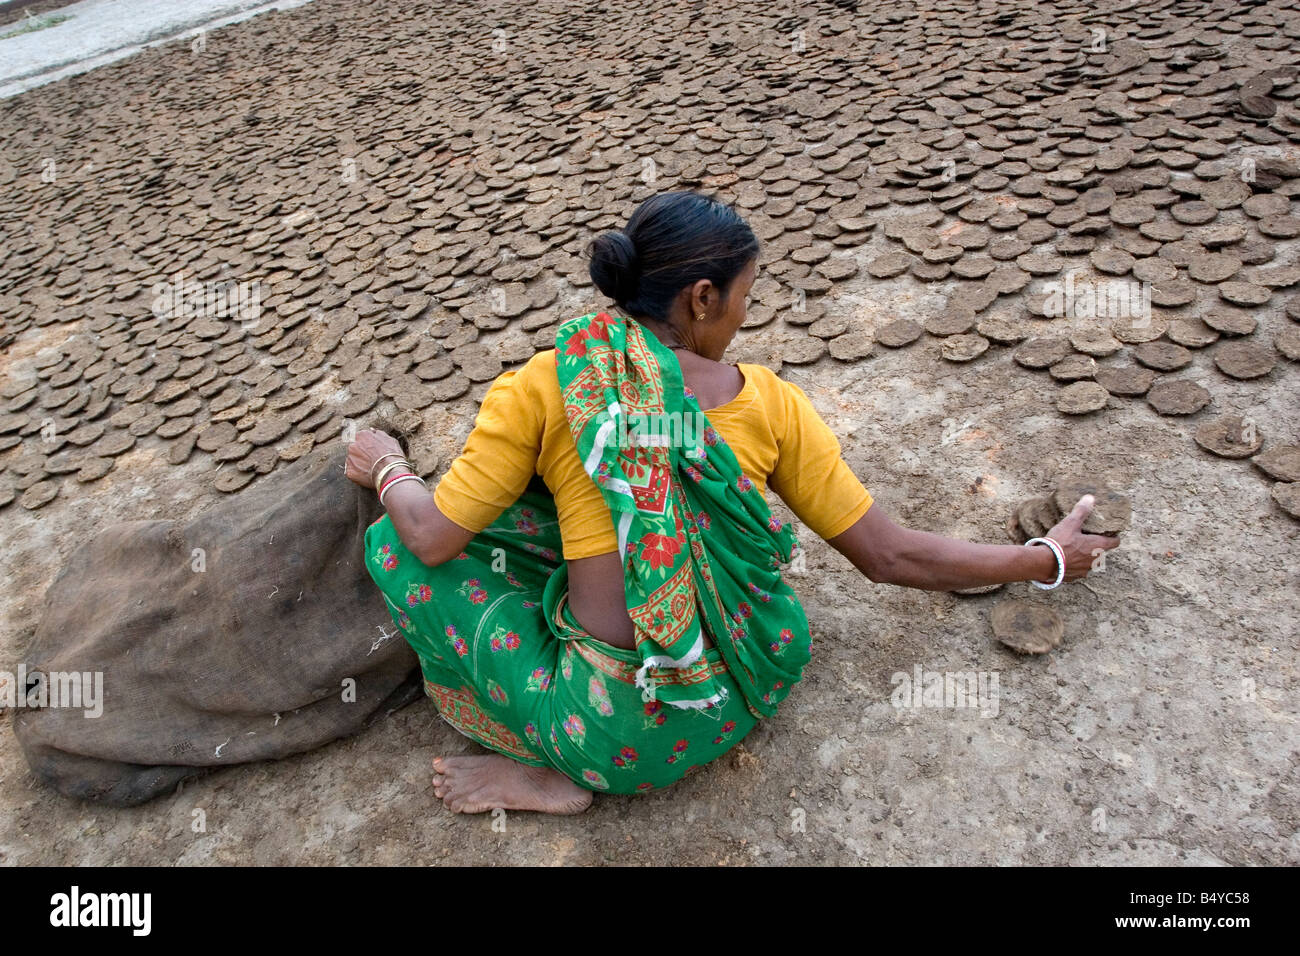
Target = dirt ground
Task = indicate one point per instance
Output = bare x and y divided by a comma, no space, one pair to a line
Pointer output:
1141,712
1162,731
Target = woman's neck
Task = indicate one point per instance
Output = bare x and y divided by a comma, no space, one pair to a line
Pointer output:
668,334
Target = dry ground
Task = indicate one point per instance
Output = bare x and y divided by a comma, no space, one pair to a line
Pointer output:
1163,730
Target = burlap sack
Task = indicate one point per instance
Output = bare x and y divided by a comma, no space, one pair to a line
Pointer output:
247,659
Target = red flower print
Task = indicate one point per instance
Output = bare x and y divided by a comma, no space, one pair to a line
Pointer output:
477,596
599,327
743,484
653,707
774,523
426,593
512,640
660,550
461,647
462,556
660,718
644,787
729,726
390,562
576,345
412,600
744,609
451,630
386,549
496,644
680,746
526,526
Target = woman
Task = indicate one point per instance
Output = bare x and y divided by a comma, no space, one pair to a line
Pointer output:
594,589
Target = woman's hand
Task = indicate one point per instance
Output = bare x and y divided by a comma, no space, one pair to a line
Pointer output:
364,452
1081,550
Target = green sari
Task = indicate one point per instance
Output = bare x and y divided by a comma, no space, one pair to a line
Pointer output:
505,660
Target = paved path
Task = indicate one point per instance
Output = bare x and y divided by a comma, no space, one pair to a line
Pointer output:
101,31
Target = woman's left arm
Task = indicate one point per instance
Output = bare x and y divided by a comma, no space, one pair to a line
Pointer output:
890,554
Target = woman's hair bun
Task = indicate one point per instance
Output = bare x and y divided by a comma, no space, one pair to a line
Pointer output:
615,267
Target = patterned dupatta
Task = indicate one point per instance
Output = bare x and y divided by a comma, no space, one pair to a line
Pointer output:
700,546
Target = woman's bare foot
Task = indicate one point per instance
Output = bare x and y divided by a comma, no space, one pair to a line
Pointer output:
479,784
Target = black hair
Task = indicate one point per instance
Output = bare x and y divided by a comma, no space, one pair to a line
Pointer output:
672,240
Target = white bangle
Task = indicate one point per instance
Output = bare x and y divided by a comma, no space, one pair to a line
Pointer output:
395,482
1060,563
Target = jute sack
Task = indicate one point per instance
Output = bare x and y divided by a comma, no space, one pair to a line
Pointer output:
250,632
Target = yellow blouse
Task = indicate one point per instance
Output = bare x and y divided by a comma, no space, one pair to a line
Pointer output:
521,430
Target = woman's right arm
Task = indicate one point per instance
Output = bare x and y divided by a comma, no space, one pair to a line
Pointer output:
498,461
436,538
427,533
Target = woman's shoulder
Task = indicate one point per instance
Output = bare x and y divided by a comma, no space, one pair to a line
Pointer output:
772,388
783,401
541,367
760,375
537,376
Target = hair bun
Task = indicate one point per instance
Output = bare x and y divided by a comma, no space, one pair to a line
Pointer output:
615,266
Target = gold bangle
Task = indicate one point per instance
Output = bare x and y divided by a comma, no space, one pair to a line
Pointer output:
381,458
387,468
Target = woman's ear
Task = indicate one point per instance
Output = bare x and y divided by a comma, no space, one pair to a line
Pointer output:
703,297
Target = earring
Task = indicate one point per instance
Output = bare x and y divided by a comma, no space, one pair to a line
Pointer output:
700,317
